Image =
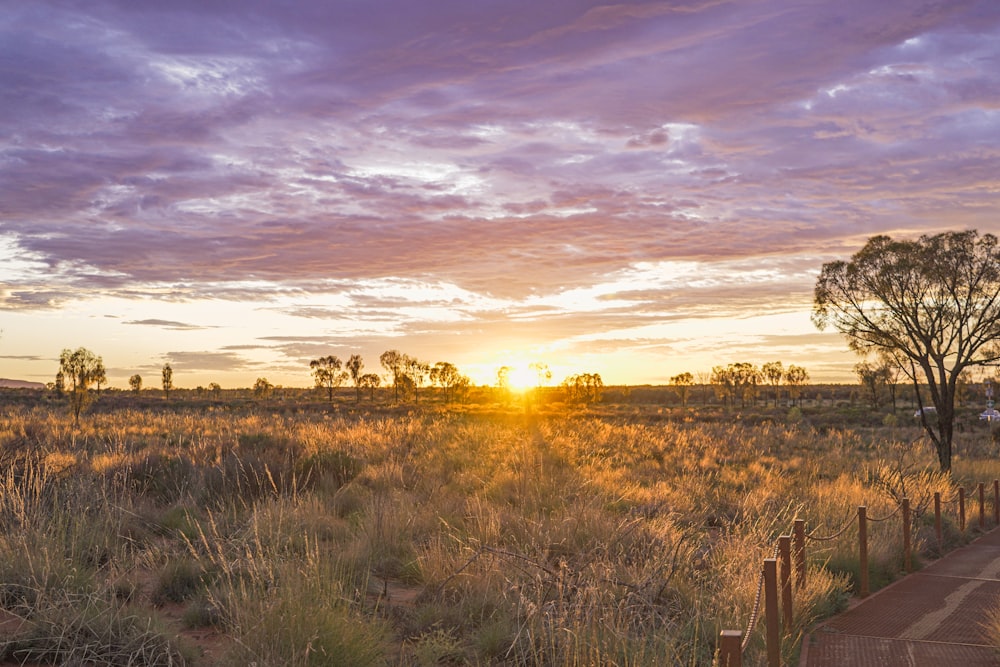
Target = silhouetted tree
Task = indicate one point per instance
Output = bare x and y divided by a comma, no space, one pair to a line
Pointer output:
327,374
584,387
79,368
393,361
682,386
934,302
100,375
446,376
417,371
371,381
774,373
135,383
796,378
262,389
167,378
355,364
215,389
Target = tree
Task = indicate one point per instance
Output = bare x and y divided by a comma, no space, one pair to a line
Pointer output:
79,368
354,366
774,373
682,385
216,389
872,378
934,302
326,372
796,378
371,381
167,377
262,389
135,383
417,372
100,375
542,373
392,361
446,376
584,388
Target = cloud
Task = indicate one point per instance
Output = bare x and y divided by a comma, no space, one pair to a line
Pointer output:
513,152
167,324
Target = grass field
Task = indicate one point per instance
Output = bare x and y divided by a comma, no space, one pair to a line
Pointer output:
603,536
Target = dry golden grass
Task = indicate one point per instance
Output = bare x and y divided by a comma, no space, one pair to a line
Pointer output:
431,538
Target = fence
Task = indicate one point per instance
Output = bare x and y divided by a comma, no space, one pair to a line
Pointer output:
776,591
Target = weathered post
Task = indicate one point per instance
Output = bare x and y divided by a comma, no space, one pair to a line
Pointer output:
771,612
937,518
785,553
799,530
863,551
996,502
982,507
961,508
907,560
730,649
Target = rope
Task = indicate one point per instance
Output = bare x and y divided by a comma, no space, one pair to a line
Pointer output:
885,518
848,522
755,614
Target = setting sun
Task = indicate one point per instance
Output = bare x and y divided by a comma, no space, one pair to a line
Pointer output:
521,378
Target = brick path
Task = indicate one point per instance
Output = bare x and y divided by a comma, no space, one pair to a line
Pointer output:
931,618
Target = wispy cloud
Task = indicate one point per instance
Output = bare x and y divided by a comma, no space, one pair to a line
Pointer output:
311,158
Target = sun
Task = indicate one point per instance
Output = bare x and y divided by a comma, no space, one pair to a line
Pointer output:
521,378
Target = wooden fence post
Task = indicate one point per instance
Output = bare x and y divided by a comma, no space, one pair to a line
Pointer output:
771,612
785,553
730,649
907,560
863,551
982,506
799,531
961,508
996,502
937,518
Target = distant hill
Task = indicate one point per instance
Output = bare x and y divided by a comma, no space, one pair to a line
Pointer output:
20,384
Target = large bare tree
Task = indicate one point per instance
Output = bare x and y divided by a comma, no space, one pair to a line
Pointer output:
933,302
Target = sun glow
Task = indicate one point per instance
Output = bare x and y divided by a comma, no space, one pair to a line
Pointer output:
521,378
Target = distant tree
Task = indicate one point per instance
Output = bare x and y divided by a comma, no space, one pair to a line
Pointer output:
417,371
737,380
774,373
503,381
542,373
60,384
167,377
262,389
79,368
796,378
682,383
100,375
327,374
370,381
355,364
724,384
215,389
393,361
934,302
872,378
584,388
135,383
748,377
446,376
462,388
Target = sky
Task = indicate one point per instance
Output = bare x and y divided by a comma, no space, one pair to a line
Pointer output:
638,189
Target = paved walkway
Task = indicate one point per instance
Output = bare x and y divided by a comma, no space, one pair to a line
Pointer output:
931,618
